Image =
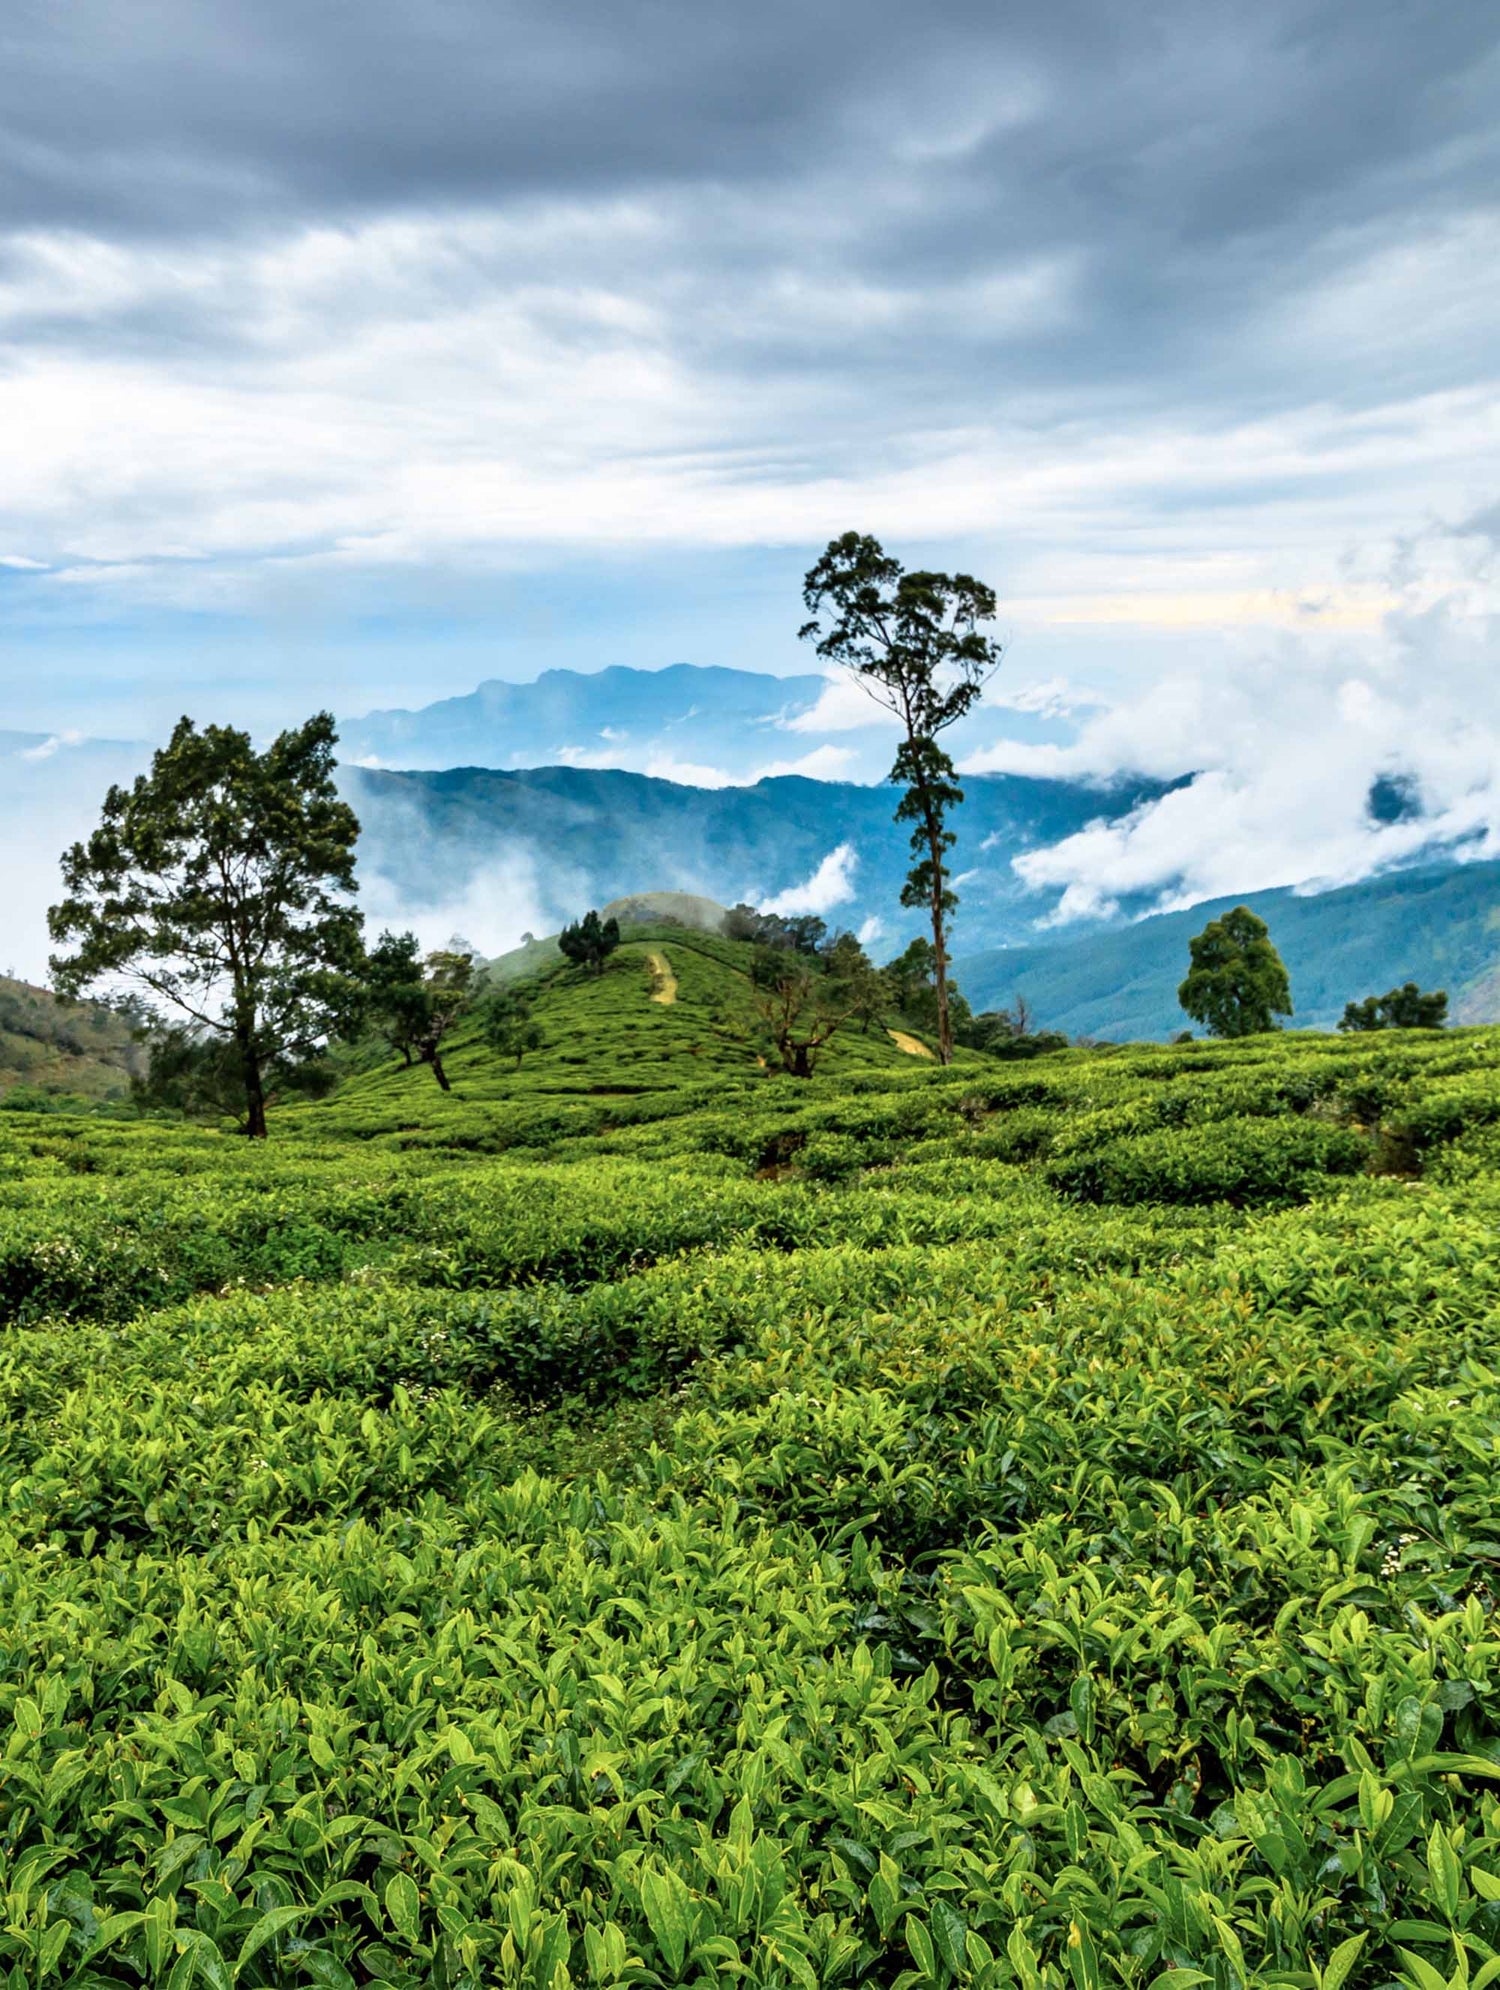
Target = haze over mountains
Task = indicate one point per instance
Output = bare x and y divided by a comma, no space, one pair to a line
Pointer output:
488,852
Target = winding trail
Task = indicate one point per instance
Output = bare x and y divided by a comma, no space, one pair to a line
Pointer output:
910,1044
663,980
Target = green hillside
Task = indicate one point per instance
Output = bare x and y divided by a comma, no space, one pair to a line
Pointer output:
638,1521
1440,928
61,1050
606,1040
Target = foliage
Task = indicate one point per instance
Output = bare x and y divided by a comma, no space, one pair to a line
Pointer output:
200,1075
1236,984
632,1522
803,932
1403,1008
220,883
914,642
863,987
799,1004
1008,1033
416,1003
509,1025
590,941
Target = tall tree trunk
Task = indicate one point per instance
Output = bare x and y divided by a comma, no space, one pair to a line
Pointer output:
433,1056
255,1091
939,942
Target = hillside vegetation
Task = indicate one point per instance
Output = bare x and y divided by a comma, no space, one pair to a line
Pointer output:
1438,926
55,1050
638,1521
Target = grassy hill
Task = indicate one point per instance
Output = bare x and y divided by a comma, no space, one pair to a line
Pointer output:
1437,927
78,1050
606,1039
639,1522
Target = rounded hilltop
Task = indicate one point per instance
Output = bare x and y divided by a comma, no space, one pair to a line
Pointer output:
680,908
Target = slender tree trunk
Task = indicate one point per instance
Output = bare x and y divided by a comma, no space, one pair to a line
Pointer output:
939,942
434,1057
255,1091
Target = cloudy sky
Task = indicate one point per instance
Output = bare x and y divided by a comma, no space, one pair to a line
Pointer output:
352,353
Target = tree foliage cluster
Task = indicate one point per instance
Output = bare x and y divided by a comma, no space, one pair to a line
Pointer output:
1403,1008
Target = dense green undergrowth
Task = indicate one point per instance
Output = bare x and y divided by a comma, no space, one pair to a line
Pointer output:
642,1522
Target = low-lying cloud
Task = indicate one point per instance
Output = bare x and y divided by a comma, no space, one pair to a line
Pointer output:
831,885
1290,752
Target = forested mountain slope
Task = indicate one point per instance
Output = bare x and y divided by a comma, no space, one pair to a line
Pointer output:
1439,927
565,838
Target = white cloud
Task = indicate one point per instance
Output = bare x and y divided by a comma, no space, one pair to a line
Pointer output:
1284,749
493,908
824,763
689,773
831,884
844,705
871,929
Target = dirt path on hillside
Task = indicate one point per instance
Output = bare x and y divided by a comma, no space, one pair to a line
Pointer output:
663,980
909,1044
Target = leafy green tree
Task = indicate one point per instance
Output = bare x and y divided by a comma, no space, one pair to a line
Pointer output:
1010,1033
416,1002
508,1025
804,932
1403,1008
914,641
799,1006
1236,982
199,1075
868,992
394,998
590,941
219,884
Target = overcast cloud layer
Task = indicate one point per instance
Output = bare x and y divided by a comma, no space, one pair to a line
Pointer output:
351,354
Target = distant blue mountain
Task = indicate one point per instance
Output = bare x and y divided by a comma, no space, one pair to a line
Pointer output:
688,722
730,720
537,847
1437,926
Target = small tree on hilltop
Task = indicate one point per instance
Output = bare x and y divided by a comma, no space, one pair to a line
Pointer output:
416,1003
1403,1008
913,640
1237,982
220,885
799,1006
590,941
508,1026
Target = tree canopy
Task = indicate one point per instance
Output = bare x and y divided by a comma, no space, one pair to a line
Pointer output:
416,1001
508,1025
1403,1008
590,941
1236,982
799,1005
220,884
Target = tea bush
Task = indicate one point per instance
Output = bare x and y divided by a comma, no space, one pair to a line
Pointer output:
920,1528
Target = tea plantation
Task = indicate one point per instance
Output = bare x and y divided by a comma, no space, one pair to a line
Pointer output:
638,1521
